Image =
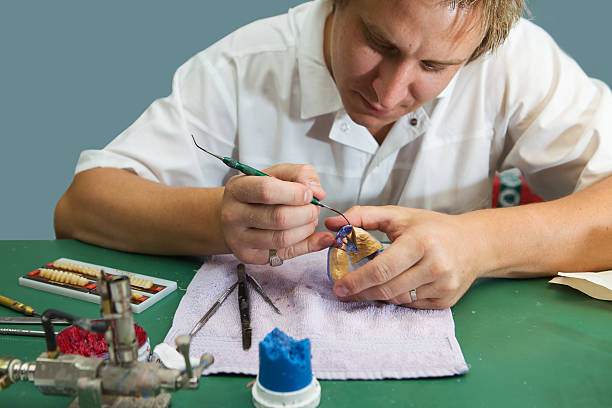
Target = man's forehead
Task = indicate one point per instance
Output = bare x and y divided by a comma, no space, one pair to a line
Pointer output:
447,17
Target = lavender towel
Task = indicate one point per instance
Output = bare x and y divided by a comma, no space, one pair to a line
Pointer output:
367,340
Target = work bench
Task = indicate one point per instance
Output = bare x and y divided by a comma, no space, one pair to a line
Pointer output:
527,343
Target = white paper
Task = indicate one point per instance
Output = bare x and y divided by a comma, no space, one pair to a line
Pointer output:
595,284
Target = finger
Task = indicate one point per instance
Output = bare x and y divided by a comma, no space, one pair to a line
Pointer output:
371,217
279,217
397,258
397,290
269,239
429,296
336,222
431,303
426,291
314,243
268,190
299,173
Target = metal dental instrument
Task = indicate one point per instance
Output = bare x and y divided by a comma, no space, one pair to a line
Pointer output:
244,308
23,332
260,290
243,303
29,320
212,310
250,171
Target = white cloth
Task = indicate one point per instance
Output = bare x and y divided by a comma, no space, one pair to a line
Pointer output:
367,340
264,96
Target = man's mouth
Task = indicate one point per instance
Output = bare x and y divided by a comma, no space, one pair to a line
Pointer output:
374,108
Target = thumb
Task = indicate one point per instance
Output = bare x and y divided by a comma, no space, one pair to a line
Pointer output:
304,174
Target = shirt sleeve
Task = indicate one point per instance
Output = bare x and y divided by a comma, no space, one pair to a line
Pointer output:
559,132
158,145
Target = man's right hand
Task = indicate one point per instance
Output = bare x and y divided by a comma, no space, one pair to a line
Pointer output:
263,213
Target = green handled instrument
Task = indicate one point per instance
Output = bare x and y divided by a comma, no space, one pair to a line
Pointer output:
250,171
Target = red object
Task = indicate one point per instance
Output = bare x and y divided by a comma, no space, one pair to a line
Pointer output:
527,196
74,340
140,299
34,273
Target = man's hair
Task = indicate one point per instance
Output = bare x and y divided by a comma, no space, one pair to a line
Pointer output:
498,18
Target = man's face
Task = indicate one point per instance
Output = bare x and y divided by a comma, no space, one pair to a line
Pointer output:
389,57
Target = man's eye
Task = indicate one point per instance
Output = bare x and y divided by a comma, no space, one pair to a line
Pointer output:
432,67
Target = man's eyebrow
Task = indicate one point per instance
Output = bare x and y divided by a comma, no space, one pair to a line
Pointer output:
373,30
450,62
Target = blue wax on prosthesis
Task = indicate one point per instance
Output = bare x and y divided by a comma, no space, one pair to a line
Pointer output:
284,363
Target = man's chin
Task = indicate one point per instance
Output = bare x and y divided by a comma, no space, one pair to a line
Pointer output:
369,121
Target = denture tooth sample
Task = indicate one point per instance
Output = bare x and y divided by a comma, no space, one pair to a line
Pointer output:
63,277
141,283
70,266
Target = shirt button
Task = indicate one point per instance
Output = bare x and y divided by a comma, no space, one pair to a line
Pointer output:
344,127
414,121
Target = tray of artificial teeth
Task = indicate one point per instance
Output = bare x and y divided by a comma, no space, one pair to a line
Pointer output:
77,279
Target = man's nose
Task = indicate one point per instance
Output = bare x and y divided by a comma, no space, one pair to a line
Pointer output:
392,83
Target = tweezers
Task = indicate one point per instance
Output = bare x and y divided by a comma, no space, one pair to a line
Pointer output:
212,310
224,296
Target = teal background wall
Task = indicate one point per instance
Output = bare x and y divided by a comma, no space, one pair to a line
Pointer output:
75,73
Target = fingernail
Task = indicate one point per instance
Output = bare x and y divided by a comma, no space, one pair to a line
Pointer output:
328,240
308,196
313,183
341,291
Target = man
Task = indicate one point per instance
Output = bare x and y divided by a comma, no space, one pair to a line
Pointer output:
412,104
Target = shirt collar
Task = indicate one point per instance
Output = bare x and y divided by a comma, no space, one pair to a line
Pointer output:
318,89
451,85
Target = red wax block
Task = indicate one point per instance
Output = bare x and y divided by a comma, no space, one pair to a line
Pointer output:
90,286
140,299
157,288
34,273
73,340
50,264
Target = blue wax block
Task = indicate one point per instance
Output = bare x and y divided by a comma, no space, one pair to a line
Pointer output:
284,363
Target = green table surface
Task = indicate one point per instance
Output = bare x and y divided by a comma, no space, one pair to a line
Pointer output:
528,343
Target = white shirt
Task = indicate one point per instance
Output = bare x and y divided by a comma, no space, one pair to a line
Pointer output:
264,96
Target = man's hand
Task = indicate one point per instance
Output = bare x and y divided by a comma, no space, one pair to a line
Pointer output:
263,213
431,252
